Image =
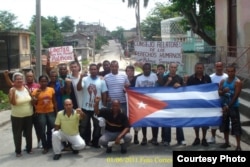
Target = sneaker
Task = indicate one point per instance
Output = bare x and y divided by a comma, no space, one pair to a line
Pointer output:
18,155
39,144
30,152
123,151
204,142
57,157
197,141
75,152
45,151
144,141
96,146
183,142
109,150
154,142
165,143
136,141
225,145
238,149
211,140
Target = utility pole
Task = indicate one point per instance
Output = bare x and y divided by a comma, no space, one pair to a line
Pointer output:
94,47
38,39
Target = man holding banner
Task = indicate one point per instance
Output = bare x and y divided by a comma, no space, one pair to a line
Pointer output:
175,81
199,78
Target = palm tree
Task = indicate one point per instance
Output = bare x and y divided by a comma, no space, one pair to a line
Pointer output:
136,4
132,3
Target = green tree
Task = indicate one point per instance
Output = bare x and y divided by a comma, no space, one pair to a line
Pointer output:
199,16
67,24
118,34
8,21
151,26
100,41
51,33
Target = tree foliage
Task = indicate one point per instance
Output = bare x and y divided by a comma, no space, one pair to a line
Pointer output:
67,24
118,34
151,26
8,21
100,41
51,33
200,17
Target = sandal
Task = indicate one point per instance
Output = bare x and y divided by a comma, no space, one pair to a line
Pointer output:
30,152
45,151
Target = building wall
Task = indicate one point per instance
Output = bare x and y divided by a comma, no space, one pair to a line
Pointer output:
221,22
24,51
243,23
243,33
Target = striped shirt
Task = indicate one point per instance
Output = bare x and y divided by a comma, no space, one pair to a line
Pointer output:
115,84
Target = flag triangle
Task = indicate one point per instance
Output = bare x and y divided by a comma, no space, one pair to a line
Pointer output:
140,105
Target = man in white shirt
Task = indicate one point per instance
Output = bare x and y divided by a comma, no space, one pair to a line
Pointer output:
216,78
147,79
92,87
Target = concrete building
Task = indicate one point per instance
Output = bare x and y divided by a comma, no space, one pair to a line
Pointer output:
233,33
15,52
194,48
80,42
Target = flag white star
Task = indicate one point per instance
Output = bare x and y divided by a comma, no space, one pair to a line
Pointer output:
141,105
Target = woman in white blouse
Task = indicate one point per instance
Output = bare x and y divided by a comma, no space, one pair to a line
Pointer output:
21,113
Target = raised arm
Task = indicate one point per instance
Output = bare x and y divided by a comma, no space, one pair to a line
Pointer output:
96,105
7,78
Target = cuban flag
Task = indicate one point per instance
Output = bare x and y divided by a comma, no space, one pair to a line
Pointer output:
186,106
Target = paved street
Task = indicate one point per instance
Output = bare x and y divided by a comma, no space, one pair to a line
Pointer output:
137,155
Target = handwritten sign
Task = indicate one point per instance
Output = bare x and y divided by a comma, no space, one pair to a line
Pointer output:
158,52
61,54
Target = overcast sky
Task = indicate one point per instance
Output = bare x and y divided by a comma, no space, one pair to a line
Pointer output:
110,13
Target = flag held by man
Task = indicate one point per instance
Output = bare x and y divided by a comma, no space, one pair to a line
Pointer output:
187,106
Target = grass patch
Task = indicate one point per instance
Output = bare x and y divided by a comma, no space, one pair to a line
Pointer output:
4,101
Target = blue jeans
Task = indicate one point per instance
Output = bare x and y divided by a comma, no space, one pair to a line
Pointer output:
46,122
179,134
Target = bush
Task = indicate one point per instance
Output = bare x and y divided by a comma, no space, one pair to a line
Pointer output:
4,101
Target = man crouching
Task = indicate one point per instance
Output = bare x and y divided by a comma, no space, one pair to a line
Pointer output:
67,130
117,126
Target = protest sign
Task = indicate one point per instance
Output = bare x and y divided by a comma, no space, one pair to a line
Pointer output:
158,52
62,54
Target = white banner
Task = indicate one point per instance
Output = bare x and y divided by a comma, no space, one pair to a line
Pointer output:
158,52
61,54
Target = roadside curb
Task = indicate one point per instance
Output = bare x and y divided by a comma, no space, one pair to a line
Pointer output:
5,117
4,123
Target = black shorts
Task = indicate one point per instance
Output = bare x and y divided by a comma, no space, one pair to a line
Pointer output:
232,115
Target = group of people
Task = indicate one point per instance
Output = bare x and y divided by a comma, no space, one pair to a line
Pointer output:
63,105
